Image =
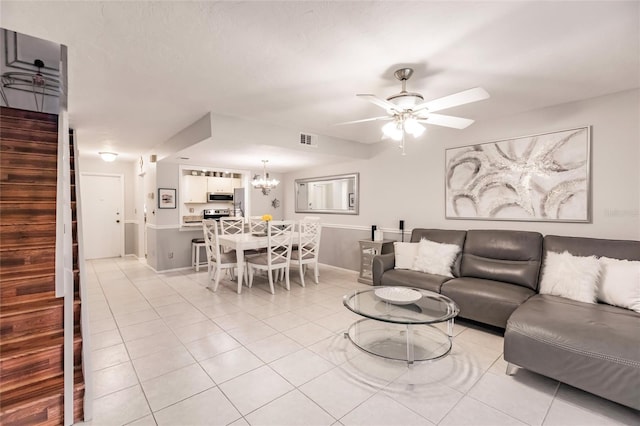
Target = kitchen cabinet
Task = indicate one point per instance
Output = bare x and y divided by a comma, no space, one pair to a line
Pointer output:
195,189
219,184
236,183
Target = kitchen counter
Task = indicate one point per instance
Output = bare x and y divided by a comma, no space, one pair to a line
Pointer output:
192,226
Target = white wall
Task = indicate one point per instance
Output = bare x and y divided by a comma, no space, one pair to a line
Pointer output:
167,176
411,187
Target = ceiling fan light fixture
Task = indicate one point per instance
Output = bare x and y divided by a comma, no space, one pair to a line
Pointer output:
412,126
393,130
408,110
406,100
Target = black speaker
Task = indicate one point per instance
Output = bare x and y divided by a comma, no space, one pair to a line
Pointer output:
373,231
401,226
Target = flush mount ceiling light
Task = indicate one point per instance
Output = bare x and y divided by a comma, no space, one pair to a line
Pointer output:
263,182
108,156
34,82
407,110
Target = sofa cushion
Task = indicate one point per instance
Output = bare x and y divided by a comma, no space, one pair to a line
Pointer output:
620,283
436,258
446,236
487,301
590,346
405,254
408,278
573,277
509,256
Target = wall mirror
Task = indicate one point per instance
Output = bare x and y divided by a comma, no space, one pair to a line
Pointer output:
329,194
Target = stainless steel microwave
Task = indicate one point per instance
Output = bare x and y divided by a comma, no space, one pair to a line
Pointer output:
216,197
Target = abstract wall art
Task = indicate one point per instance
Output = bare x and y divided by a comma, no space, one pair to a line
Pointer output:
543,177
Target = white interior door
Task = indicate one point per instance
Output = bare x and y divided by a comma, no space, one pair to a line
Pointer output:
102,215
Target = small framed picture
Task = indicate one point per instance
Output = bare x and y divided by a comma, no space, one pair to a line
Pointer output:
166,198
352,199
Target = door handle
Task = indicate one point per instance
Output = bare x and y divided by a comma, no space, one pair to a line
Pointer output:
118,221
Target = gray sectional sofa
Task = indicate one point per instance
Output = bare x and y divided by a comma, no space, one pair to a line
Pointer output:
594,347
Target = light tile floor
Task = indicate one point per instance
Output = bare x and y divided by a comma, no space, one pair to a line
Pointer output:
168,351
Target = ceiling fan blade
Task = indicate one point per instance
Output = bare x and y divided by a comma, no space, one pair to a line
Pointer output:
385,117
382,103
461,98
447,121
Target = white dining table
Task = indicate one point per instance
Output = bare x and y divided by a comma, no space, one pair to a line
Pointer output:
242,242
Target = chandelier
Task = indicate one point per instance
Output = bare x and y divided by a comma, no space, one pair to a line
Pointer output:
37,83
263,182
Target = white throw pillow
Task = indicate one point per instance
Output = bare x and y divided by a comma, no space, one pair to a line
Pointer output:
435,258
405,254
620,283
573,277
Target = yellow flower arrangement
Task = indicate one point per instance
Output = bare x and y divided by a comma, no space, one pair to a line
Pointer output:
267,217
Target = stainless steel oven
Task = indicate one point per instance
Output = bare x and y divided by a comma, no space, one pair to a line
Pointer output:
215,213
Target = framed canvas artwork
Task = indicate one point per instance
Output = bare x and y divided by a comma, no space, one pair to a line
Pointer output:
166,198
543,177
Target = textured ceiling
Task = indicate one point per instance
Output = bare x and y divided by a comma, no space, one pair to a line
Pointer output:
141,71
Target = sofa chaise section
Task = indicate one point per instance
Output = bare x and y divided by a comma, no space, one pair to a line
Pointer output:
592,346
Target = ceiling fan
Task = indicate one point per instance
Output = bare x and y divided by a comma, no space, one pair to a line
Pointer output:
406,110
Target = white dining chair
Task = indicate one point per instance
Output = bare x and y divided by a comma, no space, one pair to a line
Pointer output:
229,226
217,260
312,218
257,225
278,254
309,232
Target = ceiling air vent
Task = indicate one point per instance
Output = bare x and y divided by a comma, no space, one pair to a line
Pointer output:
308,139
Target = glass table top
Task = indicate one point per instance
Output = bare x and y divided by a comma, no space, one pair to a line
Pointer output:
401,305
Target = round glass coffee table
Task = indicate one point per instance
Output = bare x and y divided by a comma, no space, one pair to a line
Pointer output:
399,323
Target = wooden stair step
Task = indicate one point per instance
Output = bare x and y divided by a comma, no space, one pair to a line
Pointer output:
28,213
28,135
19,322
23,244
28,147
27,260
26,308
29,123
27,289
38,360
28,161
31,115
39,403
36,344
27,192
35,234
20,175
